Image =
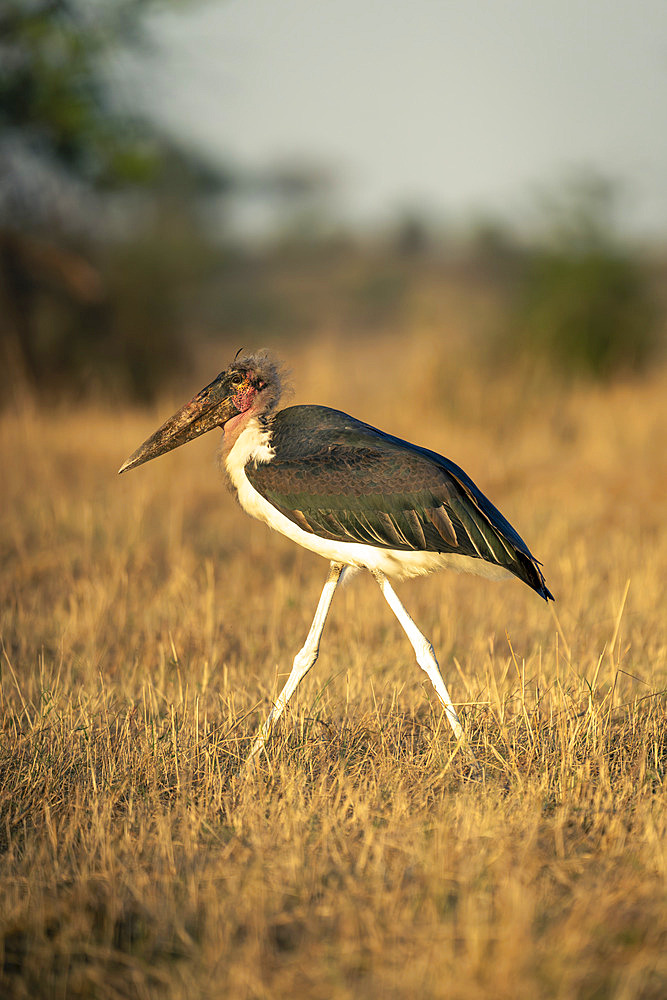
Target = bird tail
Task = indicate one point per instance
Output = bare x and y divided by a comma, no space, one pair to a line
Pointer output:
528,570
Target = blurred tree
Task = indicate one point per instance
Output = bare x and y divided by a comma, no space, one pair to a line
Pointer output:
413,235
493,248
302,196
584,302
69,160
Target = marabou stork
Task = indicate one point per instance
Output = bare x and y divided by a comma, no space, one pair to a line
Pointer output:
355,495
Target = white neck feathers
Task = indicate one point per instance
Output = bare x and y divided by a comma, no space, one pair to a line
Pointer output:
252,444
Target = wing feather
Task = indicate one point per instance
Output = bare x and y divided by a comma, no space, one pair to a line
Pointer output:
416,529
438,517
392,530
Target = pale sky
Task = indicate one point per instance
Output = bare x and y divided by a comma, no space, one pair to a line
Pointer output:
456,107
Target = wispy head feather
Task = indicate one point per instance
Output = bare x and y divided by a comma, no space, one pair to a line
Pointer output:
266,366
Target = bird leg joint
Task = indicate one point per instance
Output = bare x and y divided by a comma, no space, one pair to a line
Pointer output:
425,655
305,659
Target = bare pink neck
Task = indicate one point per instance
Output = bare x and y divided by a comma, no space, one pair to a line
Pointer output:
234,427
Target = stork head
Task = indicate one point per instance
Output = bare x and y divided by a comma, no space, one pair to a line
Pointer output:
250,386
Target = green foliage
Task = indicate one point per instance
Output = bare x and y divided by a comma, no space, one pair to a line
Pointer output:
588,311
584,301
83,309
53,93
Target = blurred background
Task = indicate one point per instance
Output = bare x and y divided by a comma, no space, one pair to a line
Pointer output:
182,179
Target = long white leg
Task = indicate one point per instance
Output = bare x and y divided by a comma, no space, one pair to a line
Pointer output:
423,651
304,659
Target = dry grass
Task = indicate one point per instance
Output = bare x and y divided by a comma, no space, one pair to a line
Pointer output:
146,623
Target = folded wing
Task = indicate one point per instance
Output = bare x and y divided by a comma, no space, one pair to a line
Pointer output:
344,480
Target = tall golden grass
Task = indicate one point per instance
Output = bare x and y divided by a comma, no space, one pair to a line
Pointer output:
146,623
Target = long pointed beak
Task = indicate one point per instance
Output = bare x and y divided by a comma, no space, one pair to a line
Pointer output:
210,408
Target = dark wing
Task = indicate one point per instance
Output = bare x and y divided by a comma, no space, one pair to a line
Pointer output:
344,480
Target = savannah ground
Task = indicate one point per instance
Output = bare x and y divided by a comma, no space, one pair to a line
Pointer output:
146,624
